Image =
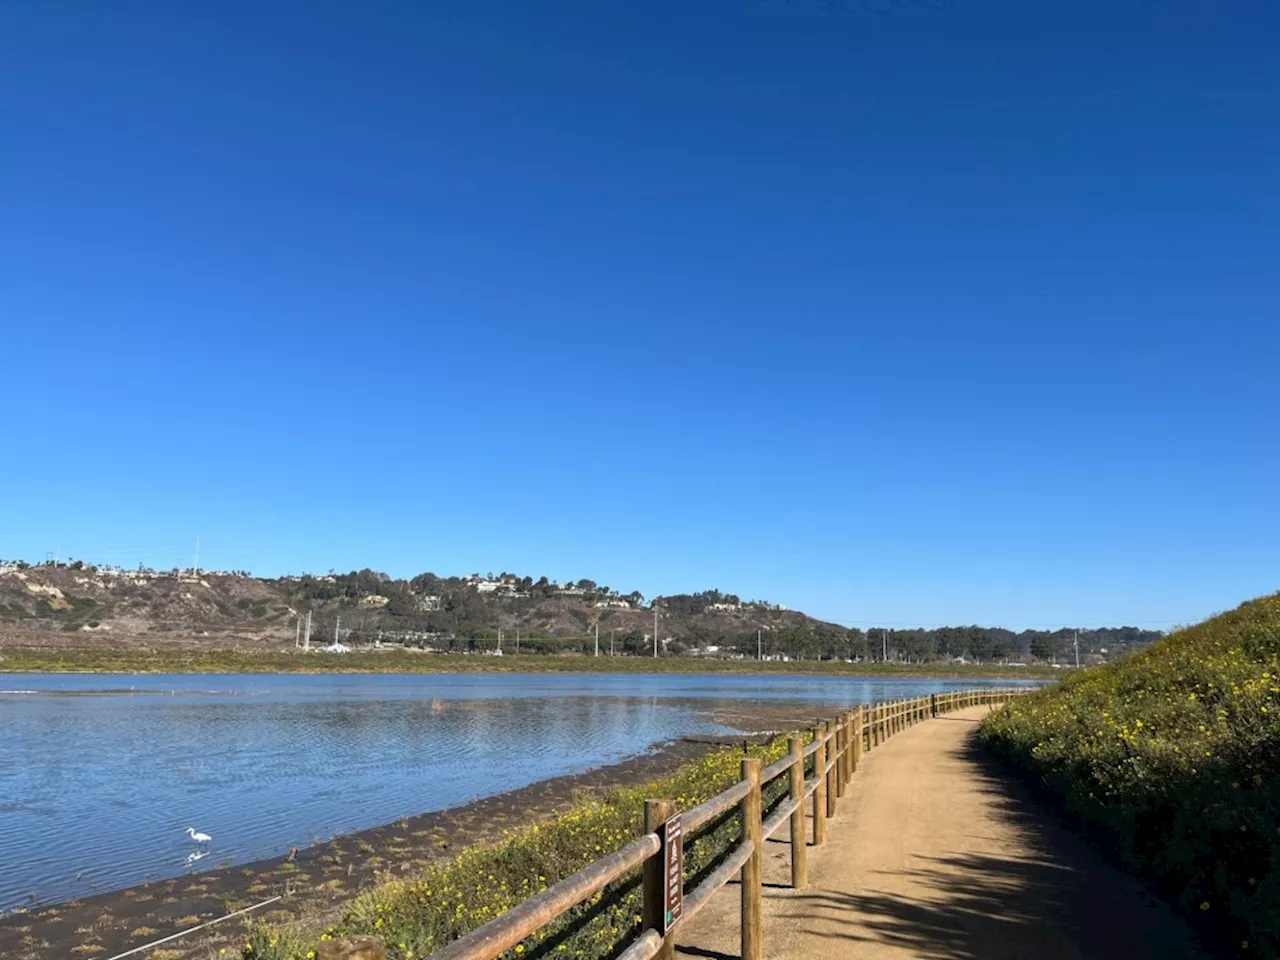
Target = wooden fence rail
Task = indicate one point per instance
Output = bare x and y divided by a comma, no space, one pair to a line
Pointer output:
836,745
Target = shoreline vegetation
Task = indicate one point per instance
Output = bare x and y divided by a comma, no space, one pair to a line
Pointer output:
324,881
417,915
1172,757
140,660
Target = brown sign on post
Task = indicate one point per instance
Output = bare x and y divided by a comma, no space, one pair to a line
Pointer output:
672,873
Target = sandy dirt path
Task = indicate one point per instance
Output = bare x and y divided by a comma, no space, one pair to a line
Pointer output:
934,854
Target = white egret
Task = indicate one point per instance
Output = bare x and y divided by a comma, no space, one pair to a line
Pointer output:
198,837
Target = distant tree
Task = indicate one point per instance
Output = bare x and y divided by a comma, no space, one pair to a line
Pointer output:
635,642
427,584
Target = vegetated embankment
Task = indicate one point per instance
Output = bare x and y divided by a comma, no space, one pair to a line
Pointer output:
419,915
1174,754
14,659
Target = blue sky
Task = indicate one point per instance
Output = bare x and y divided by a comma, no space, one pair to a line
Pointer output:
898,312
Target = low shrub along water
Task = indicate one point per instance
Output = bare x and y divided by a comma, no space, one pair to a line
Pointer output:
1174,752
419,915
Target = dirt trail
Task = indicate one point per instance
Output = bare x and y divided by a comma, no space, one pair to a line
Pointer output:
933,854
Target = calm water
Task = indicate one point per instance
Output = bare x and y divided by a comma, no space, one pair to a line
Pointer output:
100,775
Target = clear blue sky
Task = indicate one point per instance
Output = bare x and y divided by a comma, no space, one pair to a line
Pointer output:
897,312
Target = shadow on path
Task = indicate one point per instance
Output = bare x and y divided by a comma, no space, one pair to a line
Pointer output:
1019,884
1056,897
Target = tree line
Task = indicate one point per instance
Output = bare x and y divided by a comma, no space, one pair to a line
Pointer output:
460,616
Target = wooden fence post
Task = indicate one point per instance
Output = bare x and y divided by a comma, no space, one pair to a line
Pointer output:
841,743
656,813
857,740
850,746
799,842
752,877
820,791
833,753
933,705
841,746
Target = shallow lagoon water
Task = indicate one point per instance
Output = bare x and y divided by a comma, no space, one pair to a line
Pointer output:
101,774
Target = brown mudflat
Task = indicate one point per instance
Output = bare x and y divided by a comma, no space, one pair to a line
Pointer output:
933,854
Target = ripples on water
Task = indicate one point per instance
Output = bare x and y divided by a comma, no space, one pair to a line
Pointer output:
101,775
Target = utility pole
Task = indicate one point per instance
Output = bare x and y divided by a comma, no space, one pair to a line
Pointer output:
517,641
655,632
597,638
297,633
611,641
759,646
337,622
306,640
499,639
1077,649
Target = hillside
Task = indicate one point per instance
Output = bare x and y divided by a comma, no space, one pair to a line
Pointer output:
1174,753
78,605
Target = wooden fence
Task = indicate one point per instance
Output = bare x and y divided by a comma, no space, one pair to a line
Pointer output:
836,744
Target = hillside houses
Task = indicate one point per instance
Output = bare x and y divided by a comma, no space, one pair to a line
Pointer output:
506,586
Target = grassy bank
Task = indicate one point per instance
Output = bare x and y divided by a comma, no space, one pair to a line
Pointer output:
1174,753
418,915
137,660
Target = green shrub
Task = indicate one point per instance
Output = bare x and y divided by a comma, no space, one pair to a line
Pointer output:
419,915
1175,753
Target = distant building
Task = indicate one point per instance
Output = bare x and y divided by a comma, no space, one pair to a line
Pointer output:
505,586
